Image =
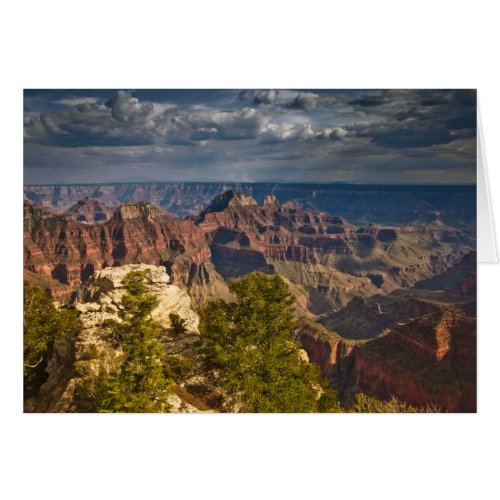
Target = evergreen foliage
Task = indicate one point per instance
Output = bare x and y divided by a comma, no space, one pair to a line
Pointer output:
44,324
329,403
251,341
177,368
140,384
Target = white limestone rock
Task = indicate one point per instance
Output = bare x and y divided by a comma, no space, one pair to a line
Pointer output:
106,294
94,349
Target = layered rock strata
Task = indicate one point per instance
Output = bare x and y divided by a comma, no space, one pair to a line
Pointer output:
327,260
429,361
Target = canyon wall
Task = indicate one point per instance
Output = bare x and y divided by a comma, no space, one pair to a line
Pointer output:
62,249
427,361
326,258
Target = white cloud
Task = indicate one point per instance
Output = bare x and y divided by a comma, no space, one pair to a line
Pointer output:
75,101
126,120
265,96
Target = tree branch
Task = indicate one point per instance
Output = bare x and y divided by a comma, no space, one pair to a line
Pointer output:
35,365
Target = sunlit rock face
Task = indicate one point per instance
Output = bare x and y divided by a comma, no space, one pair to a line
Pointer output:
105,293
94,350
90,211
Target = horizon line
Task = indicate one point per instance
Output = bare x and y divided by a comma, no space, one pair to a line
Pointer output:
328,183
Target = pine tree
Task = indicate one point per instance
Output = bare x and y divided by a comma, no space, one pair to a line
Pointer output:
140,385
44,325
251,341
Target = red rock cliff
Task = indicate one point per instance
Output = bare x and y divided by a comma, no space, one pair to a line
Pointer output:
430,360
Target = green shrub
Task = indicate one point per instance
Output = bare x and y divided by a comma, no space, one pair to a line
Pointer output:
177,368
178,323
329,403
369,404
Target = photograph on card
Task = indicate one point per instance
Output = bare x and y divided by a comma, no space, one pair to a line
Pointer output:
250,250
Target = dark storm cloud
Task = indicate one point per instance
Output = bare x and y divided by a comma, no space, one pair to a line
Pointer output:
409,138
306,101
248,135
246,95
87,124
369,101
126,108
418,118
125,119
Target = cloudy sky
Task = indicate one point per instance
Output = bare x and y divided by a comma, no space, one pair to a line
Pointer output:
372,136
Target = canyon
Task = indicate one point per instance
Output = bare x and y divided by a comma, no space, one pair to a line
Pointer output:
384,204
326,259
385,300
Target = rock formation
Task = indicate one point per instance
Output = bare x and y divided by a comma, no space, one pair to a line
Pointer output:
93,350
451,279
431,359
331,352
361,320
104,295
270,200
90,210
229,199
428,361
395,299
68,251
327,259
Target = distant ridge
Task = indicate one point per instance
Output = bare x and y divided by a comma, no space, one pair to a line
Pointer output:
360,203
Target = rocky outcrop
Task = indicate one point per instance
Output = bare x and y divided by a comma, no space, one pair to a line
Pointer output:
226,201
94,350
430,360
467,286
104,293
270,200
230,199
329,259
142,211
459,277
55,289
331,352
